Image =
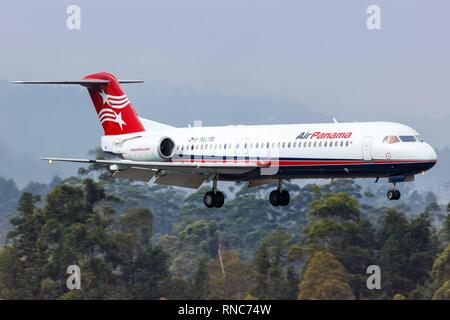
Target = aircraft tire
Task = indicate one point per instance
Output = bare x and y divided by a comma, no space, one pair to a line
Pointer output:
274,198
220,199
284,198
391,194
210,199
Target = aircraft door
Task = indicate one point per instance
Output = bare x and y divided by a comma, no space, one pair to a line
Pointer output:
367,148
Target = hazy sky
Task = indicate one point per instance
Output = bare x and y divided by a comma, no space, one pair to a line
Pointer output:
224,62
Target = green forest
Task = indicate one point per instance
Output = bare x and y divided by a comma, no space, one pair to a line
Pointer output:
141,241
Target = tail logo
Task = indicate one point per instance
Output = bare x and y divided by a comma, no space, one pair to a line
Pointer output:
114,102
117,102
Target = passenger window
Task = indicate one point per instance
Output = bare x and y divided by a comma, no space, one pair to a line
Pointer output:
284,144
342,143
315,143
325,144
294,145
289,144
346,143
267,145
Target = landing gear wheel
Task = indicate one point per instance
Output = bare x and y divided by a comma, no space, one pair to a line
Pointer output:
210,199
220,199
274,198
391,194
279,198
284,198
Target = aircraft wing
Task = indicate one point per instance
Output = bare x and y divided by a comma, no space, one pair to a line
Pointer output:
170,172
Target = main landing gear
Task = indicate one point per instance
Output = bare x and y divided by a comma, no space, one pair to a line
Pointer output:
279,196
393,194
214,198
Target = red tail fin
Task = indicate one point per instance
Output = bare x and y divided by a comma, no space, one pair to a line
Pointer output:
114,109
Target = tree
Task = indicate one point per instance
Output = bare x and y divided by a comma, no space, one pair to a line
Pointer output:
152,275
133,241
197,240
75,233
343,185
440,275
337,226
337,206
231,281
200,282
407,251
26,255
424,248
443,293
274,277
13,284
446,227
261,264
9,195
324,278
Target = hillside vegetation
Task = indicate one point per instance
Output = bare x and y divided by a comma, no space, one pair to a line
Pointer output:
140,241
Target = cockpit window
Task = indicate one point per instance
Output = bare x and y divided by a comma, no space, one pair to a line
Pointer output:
408,138
419,138
391,139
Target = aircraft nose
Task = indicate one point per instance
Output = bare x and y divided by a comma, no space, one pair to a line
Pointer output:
431,154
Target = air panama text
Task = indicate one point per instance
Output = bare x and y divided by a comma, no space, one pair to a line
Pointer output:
324,135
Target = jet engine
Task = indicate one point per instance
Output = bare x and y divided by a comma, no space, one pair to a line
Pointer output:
151,148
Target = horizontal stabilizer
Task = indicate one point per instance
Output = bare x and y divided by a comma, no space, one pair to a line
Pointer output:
85,82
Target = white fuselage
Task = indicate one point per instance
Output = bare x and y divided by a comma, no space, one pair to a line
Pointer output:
360,149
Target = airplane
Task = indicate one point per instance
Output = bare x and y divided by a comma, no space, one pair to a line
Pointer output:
255,154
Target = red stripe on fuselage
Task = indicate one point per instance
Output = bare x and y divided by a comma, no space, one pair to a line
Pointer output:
287,163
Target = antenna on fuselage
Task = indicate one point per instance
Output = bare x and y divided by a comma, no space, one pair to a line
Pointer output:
334,120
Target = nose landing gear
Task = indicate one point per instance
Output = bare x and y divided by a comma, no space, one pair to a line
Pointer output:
279,196
393,194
